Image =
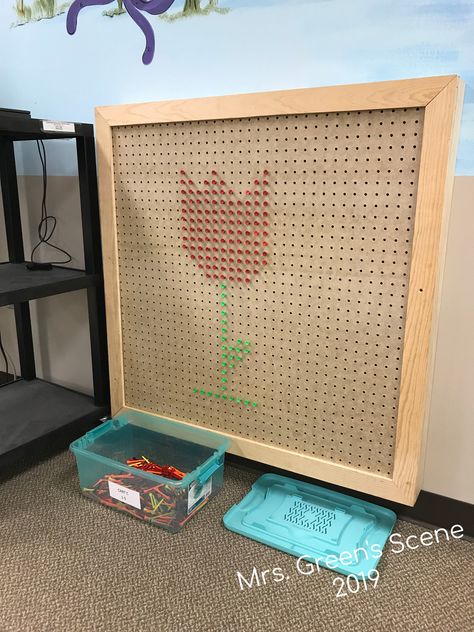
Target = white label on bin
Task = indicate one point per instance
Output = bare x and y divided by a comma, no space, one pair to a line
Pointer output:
58,126
125,495
197,493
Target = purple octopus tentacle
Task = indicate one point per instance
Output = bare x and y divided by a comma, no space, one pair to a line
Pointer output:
76,6
155,7
145,26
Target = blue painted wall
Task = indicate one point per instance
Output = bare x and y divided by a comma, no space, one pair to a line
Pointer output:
257,45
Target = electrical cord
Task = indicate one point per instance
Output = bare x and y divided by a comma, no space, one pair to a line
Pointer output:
2,351
15,373
48,223
8,361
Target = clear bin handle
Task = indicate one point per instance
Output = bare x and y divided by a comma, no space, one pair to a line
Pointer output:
100,430
202,478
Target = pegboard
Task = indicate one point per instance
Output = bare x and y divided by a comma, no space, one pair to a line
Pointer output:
263,273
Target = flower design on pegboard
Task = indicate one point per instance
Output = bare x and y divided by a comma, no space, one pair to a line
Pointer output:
227,236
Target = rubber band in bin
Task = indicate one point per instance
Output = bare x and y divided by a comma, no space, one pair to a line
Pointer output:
104,475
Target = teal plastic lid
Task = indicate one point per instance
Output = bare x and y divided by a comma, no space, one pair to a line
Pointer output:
342,533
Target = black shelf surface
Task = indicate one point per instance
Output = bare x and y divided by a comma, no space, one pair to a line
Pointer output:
6,378
18,284
25,128
36,410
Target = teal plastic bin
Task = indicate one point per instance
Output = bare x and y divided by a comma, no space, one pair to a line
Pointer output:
104,476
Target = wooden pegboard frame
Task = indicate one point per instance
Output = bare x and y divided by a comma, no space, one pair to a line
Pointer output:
439,101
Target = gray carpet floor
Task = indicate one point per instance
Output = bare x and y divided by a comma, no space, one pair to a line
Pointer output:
69,564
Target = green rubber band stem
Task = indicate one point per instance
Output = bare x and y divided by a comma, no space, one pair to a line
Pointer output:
225,366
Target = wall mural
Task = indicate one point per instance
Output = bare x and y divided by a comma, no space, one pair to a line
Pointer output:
38,10
136,9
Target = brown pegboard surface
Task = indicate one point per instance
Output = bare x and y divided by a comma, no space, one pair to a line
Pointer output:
324,312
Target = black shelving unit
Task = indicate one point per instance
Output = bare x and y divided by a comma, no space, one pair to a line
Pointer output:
35,414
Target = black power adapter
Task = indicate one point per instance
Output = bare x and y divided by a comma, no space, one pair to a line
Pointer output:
32,265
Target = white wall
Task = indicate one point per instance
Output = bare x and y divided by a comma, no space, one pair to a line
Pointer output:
449,466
